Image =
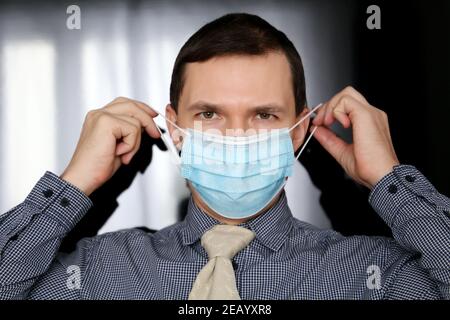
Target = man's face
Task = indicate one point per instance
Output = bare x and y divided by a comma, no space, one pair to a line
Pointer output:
239,93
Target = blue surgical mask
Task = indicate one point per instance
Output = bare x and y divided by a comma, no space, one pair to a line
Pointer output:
238,176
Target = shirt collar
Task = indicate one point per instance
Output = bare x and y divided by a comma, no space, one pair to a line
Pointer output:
271,228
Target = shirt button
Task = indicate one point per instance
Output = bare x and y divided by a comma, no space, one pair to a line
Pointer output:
48,193
392,188
65,202
234,265
446,213
410,178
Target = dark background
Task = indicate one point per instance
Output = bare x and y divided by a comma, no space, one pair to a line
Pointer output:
403,68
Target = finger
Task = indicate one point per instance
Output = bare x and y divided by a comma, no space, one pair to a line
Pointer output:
342,117
129,118
355,94
318,119
152,112
344,109
328,117
350,108
119,99
324,114
132,109
129,154
348,91
145,107
128,132
151,129
332,143
338,113
129,108
127,157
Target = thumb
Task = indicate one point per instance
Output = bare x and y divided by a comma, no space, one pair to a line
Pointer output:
334,145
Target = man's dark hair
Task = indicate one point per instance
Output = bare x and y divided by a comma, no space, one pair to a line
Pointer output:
237,33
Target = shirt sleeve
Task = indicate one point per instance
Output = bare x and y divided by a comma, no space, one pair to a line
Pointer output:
30,236
419,218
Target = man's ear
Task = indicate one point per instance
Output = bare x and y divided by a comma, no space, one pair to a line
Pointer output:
300,131
174,132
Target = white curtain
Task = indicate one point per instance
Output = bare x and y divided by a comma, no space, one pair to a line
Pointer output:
51,76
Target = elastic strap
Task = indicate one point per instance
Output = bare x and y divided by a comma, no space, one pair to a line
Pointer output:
171,122
169,145
306,142
306,116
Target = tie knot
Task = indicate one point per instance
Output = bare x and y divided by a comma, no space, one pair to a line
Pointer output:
226,240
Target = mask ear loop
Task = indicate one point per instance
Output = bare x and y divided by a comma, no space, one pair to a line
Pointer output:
168,144
312,132
306,116
306,142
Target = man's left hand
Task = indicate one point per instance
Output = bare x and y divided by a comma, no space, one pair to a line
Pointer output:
371,155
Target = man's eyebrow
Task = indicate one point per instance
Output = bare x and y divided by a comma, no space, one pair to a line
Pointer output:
204,106
267,108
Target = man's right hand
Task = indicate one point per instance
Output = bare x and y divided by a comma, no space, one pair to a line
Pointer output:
110,137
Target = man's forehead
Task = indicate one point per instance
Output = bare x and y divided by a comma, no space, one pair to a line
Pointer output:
236,64
261,81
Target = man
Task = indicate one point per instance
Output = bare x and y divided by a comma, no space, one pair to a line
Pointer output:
239,239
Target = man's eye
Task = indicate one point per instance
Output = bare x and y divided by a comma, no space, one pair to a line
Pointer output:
265,116
207,114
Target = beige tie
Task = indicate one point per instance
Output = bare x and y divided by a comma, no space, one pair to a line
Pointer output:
216,280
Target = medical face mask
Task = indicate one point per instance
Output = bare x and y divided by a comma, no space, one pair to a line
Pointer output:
237,176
